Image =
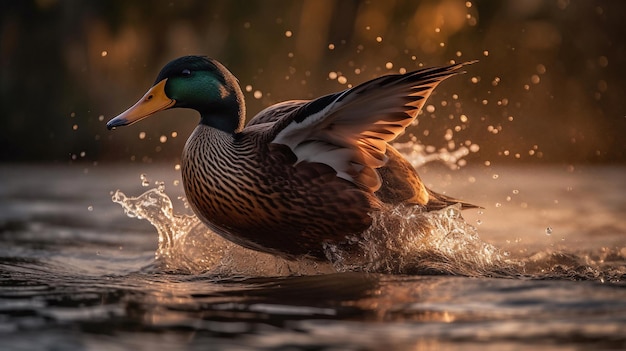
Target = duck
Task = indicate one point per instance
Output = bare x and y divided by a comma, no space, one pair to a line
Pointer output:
302,174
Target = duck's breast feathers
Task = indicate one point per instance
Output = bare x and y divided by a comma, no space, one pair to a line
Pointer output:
349,130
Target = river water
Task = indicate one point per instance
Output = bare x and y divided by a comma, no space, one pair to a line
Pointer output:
541,266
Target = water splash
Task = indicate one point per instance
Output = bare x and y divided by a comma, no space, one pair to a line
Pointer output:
418,154
187,245
402,239
407,240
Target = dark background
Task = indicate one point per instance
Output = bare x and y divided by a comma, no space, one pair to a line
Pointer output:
549,85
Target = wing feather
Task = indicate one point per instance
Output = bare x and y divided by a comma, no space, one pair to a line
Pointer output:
350,130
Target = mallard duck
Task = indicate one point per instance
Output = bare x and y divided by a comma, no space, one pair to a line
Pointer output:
300,174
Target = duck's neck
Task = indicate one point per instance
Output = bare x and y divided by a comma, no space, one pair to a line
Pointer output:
228,113
229,123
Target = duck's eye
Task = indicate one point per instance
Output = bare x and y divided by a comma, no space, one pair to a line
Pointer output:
186,72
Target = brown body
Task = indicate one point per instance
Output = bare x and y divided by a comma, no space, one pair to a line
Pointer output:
267,204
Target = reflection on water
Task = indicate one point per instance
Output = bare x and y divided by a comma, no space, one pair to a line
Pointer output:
346,311
75,273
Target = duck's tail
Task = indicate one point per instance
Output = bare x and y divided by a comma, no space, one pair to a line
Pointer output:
438,201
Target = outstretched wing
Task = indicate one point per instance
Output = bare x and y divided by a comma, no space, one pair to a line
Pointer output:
349,130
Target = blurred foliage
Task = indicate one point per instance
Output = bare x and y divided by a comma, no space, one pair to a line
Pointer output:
549,86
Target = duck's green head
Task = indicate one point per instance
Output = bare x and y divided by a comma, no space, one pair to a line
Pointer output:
195,82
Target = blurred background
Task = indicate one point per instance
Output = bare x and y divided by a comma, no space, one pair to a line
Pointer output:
550,84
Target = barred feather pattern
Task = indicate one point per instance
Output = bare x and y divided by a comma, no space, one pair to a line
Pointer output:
251,193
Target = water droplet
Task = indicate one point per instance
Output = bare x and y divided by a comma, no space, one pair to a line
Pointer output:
258,94
379,39
498,204
515,191
479,222
342,80
288,34
549,231
163,138
160,186
104,53
495,176
176,182
144,180
89,208
541,69
535,79
332,75
389,65
142,135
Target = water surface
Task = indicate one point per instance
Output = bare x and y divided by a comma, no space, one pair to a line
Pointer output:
77,273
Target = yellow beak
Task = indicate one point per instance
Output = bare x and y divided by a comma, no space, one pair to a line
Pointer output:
153,101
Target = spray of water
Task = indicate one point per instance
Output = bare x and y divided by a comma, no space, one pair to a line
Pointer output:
187,245
402,239
408,240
